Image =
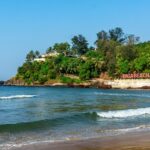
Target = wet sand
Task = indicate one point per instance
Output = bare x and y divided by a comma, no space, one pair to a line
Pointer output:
128,141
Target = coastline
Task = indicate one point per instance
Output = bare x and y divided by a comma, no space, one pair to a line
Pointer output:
128,141
94,83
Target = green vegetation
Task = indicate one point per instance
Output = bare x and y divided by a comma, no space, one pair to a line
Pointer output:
32,55
115,53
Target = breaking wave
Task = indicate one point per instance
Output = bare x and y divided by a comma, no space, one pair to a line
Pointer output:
122,94
16,97
125,113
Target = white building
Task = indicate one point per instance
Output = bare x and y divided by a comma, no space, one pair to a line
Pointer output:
52,54
44,56
39,59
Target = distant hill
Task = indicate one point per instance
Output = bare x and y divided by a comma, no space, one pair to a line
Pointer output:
1,82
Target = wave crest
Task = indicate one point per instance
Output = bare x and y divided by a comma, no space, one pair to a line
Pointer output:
125,113
121,94
16,97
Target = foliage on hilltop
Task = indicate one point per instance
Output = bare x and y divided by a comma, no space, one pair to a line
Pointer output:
115,53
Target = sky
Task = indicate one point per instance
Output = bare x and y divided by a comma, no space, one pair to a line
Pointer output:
37,24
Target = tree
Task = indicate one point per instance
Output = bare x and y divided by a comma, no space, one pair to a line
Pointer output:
102,36
132,39
49,50
80,45
30,56
122,66
37,54
140,63
128,52
91,48
117,35
88,70
52,74
62,48
42,79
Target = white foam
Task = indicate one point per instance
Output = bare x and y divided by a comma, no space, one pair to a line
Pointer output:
13,145
122,94
17,96
19,145
124,113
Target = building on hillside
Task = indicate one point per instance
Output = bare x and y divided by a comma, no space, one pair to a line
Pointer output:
39,59
51,54
43,57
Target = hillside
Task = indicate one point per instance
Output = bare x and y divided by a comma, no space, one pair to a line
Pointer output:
114,54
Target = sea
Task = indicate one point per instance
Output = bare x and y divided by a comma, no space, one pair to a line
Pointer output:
30,115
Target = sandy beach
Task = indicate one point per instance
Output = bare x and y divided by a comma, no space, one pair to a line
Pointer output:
48,118
128,141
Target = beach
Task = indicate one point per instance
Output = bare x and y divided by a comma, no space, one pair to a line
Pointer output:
130,141
75,75
73,118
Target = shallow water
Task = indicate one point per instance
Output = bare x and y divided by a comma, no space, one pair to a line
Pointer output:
38,114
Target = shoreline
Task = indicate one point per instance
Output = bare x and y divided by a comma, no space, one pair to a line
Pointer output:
128,141
67,86
94,83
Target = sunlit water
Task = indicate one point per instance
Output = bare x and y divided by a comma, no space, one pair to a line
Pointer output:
45,114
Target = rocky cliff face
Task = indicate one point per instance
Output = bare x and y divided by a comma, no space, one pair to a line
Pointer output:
14,81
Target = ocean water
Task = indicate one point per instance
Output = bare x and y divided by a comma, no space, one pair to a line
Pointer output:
50,114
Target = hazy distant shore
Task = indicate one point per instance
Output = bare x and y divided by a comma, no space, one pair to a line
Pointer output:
130,141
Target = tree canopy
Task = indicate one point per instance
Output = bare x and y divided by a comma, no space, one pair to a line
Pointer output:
32,55
79,45
115,53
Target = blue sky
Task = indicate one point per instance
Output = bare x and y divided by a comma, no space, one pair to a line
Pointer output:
37,24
